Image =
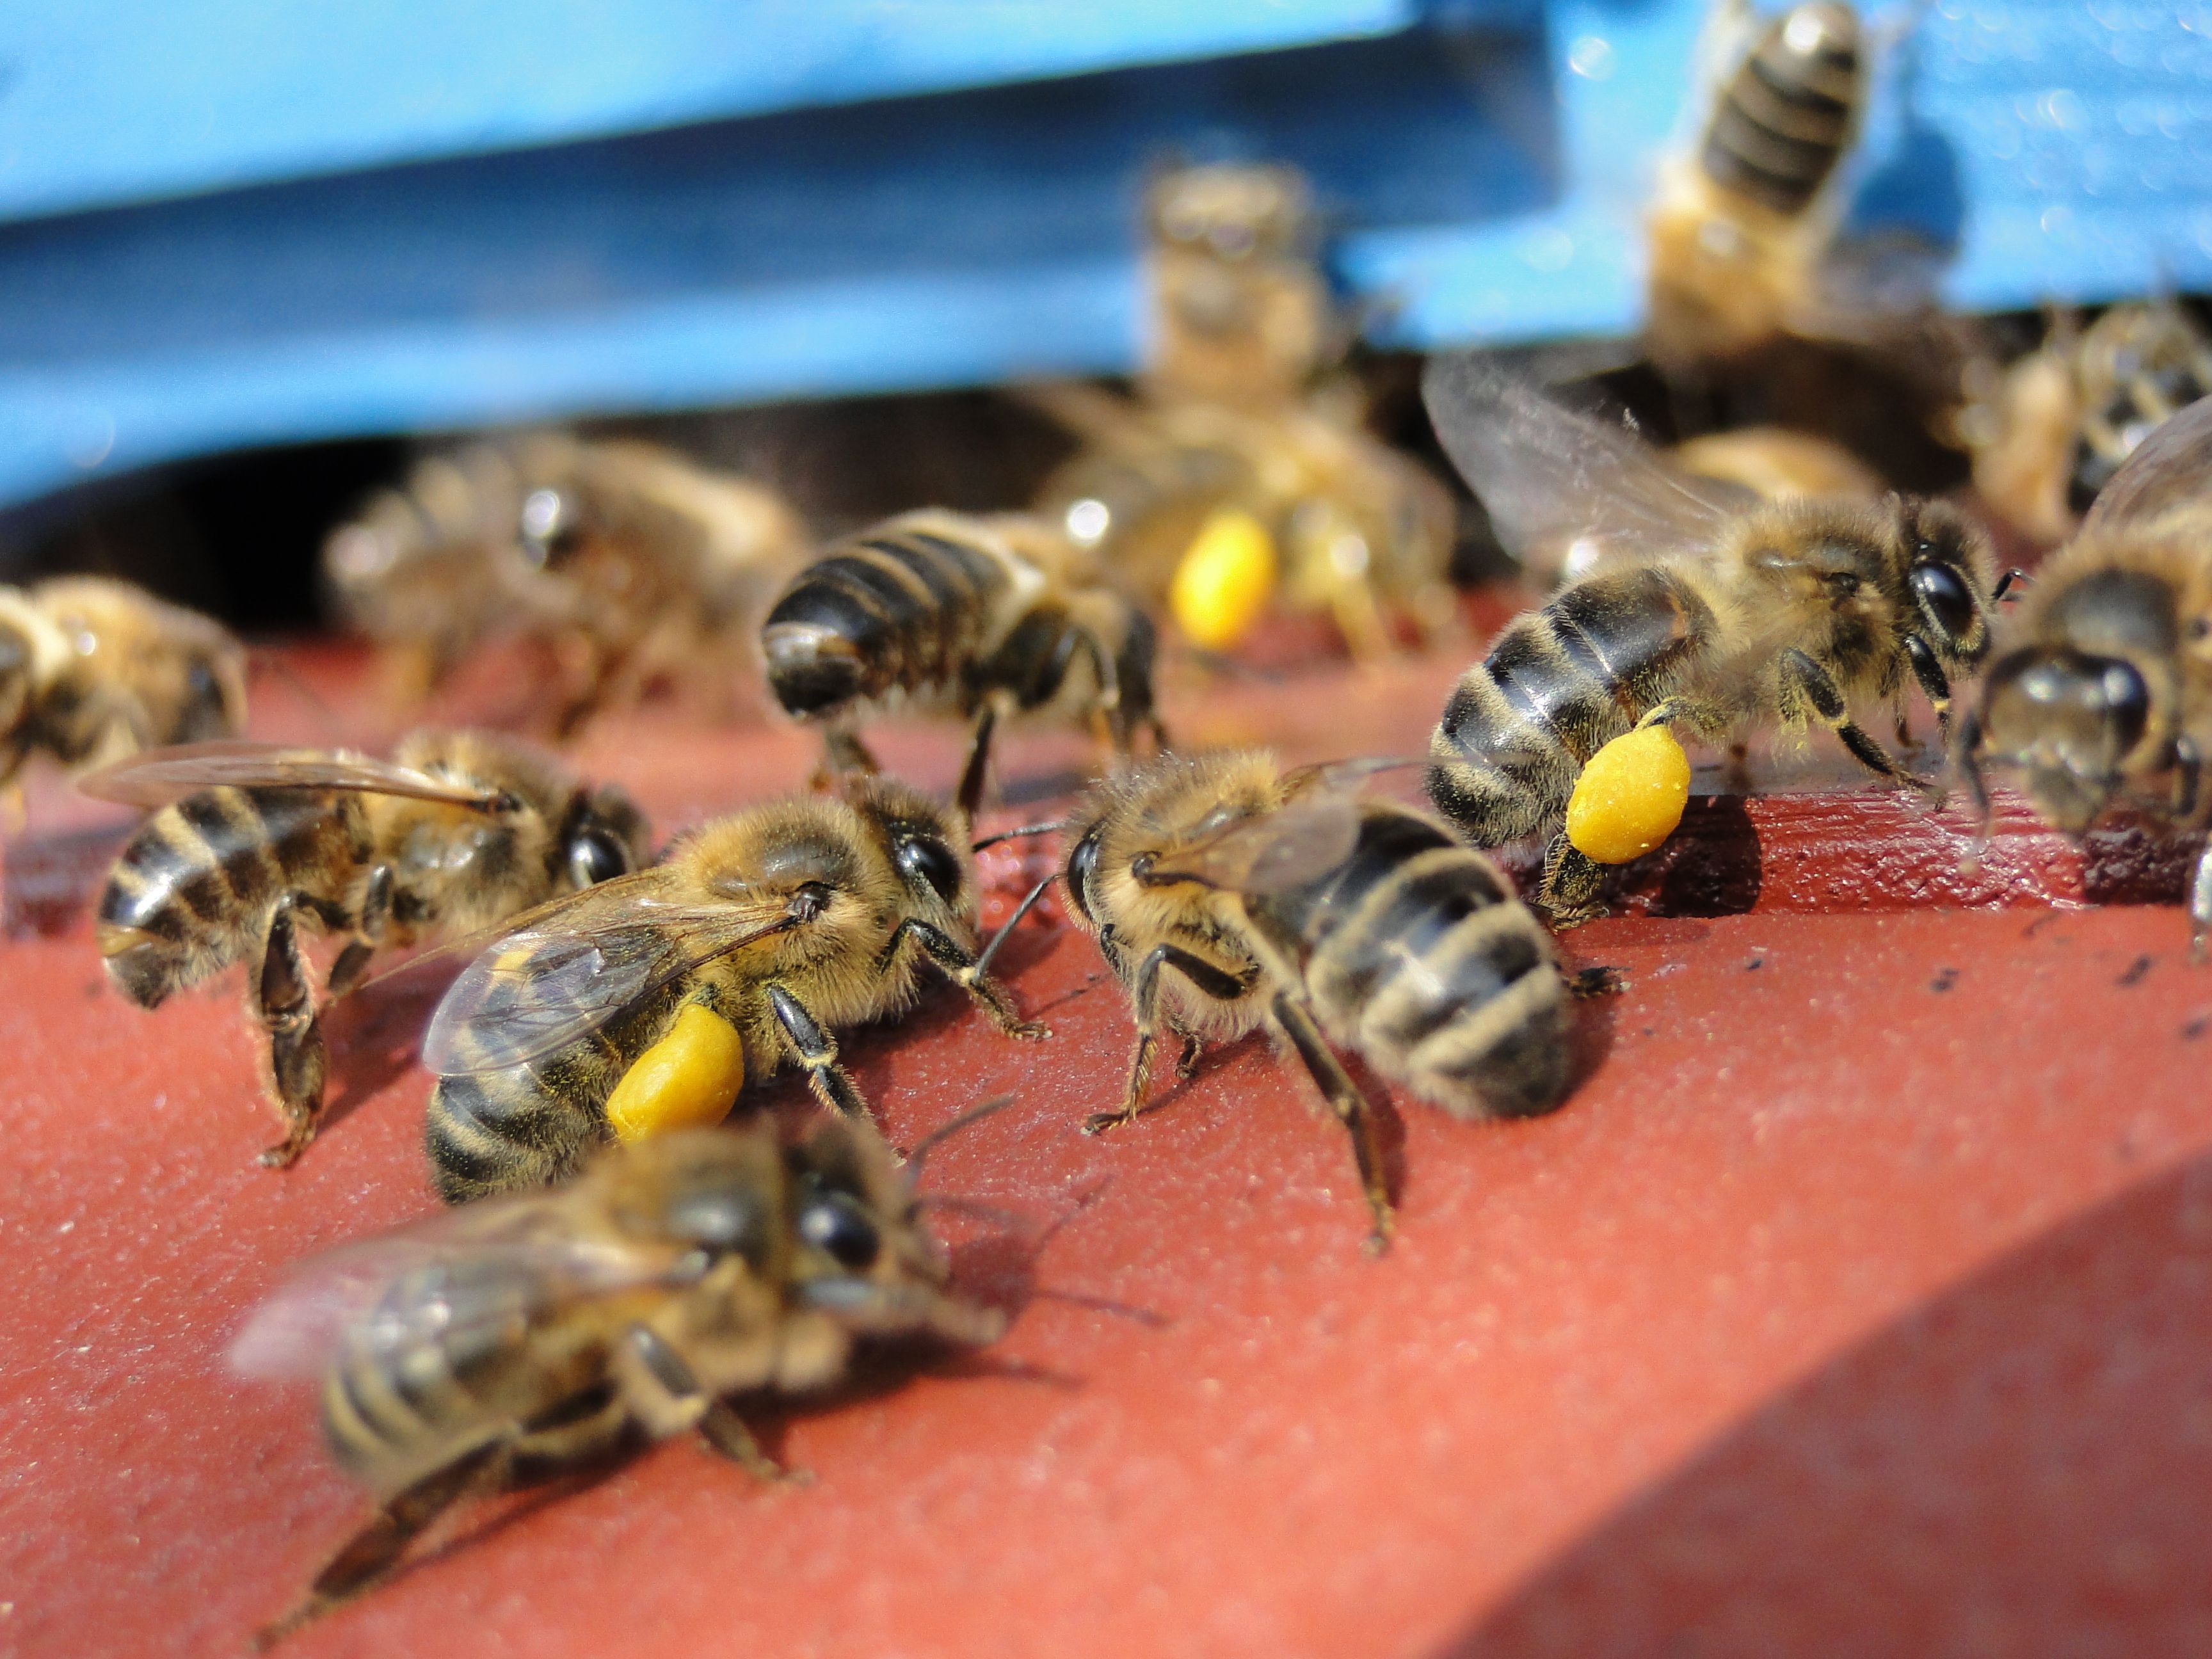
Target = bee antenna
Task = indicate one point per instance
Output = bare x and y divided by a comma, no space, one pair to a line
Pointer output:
1017,834
1967,756
2013,577
951,1126
983,959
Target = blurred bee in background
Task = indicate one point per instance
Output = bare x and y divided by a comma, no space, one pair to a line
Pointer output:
2107,696
985,617
542,1333
1743,246
1777,465
1339,523
1227,895
1239,310
739,955
2048,432
93,670
458,831
1729,614
632,564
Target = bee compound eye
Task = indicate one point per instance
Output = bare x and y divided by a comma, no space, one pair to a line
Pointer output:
2127,703
596,855
835,1223
1944,593
924,857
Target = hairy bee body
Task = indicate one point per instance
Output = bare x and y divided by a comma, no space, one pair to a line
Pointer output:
542,1333
2106,690
874,873
967,615
633,563
91,669
1738,233
228,873
1705,606
1398,942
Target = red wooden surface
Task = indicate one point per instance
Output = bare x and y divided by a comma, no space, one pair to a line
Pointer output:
1860,1300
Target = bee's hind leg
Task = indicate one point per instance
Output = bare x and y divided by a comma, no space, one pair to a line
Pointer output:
1352,1110
371,1554
284,1002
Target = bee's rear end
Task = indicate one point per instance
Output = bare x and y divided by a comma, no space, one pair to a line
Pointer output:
1786,115
1421,957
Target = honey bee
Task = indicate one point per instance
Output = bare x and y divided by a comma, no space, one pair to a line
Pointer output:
1743,243
1726,613
1362,530
458,831
547,1332
1240,312
632,563
2108,692
785,920
2049,432
1228,894
984,617
91,669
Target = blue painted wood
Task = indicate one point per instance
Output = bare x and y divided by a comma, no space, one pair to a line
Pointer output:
107,101
1487,170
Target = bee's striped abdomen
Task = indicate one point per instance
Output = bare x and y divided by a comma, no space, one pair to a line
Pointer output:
901,608
532,1125
1420,956
1786,115
1557,685
191,892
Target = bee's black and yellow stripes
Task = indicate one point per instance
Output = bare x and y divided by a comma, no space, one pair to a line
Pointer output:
1786,115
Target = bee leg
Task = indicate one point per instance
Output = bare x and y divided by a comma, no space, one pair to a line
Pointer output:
1350,1107
1820,694
965,970
843,751
1145,1003
369,1556
665,1394
1584,983
1568,892
975,772
818,1053
284,1004
2188,773
367,933
1934,685
1187,1062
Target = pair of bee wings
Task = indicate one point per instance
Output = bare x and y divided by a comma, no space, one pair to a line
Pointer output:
467,1273
2171,469
158,777
1556,481
1313,833
555,975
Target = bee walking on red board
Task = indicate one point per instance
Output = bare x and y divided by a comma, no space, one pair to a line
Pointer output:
743,952
548,1332
1704,606
1229,895
2106,692
984,617
458,831
93,670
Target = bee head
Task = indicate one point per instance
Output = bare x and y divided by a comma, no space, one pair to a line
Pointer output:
926,846
606,837
2086,706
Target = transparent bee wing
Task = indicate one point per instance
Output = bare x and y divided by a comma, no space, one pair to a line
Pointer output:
1271,852
2172,468
543,988
441,1280
1562,487
161,775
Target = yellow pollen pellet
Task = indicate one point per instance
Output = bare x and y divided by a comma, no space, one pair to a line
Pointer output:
1224,581
1630,796
688,1079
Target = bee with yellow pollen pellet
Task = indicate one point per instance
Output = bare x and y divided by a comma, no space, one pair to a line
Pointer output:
1630,798
687,1080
